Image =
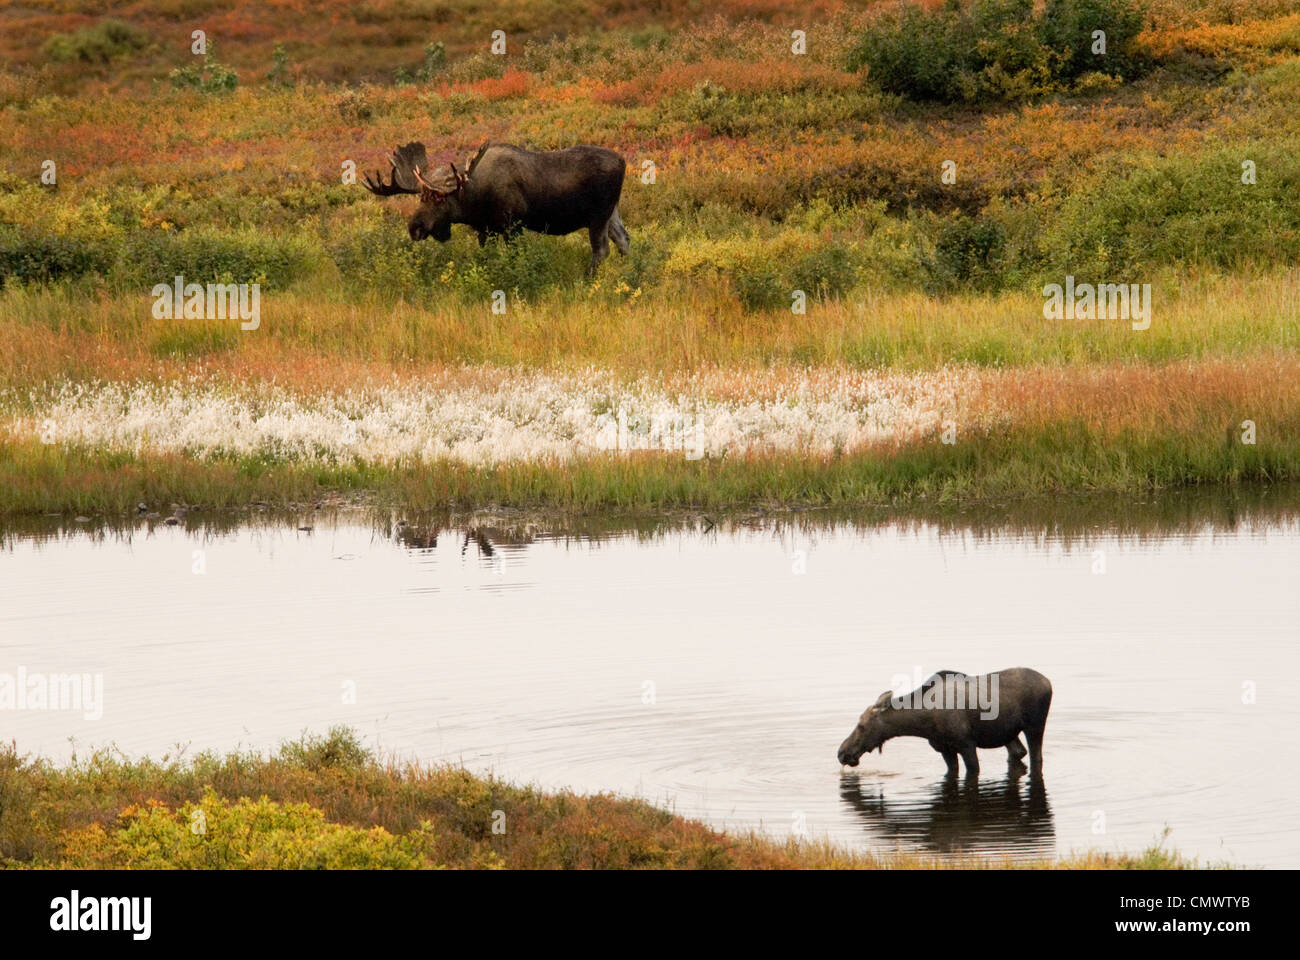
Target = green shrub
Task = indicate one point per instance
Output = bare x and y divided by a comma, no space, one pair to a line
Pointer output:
243,834
340,748
375,254
527,266
910,52
209,254
279,75
212,77
643,266
1183,208
996,49
34,255
435,61
827,271
1068,26
968,254
760,288
105,41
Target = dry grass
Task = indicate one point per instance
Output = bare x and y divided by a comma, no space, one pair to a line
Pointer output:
54,334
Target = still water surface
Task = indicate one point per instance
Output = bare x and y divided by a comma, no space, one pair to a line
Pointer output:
712,669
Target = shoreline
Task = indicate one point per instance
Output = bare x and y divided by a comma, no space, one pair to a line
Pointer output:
329,802
560,442
41,480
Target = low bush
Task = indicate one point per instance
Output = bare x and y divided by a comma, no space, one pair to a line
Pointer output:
760,288
99,44
36,255
998,49
1184,209
242,834
969,253
825,271
207,254
211,77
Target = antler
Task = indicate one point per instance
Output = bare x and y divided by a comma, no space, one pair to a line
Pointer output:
404,161
377,186
445,183
408,166
472,161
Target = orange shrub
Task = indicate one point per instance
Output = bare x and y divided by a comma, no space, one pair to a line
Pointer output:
735,76
514,83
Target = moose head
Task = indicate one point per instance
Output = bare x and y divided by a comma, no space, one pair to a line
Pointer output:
872,730
440,190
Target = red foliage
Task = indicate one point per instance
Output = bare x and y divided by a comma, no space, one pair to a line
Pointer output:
515,83
734,76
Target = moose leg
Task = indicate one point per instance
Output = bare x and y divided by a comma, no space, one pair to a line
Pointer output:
599,247
1034,735
950,758
1015,750
970,756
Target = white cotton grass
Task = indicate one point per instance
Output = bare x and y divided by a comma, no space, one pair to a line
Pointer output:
508,417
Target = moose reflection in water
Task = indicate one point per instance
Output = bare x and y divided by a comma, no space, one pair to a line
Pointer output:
487,540
1010,816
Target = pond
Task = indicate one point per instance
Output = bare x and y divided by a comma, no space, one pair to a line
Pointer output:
709,665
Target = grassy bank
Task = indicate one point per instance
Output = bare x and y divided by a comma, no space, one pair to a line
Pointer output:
325,802
36,478
844,439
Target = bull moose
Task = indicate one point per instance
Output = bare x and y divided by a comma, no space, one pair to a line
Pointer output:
957,714
505,189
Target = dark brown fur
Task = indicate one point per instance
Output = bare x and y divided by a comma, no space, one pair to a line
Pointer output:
507,189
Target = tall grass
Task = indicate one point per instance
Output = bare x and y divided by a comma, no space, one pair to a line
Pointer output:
75,332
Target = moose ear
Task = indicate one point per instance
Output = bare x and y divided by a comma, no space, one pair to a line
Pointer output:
884,700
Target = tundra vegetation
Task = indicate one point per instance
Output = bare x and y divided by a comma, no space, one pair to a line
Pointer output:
753,172
326,802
